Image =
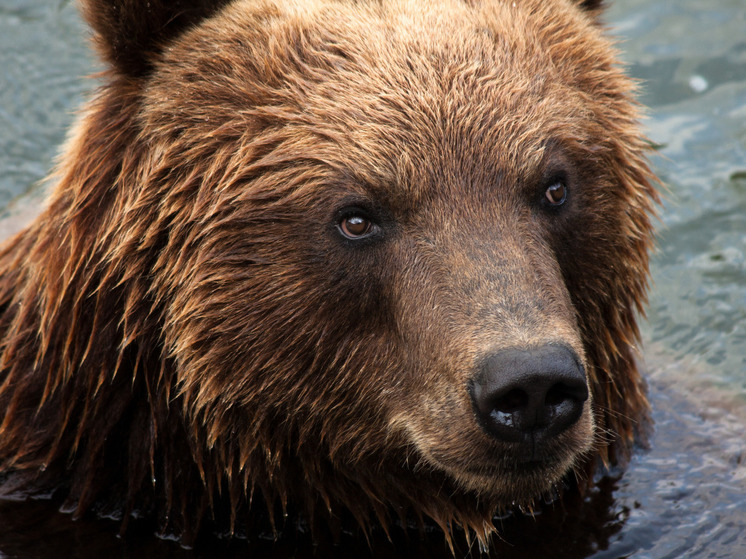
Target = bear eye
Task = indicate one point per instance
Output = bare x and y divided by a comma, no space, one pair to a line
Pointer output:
355,226
556,194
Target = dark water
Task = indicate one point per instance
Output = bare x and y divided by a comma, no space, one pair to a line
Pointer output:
686,496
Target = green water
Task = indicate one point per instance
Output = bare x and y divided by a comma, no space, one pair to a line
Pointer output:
686,497
692,58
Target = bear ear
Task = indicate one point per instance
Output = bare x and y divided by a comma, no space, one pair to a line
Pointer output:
130,33
591,5
593,8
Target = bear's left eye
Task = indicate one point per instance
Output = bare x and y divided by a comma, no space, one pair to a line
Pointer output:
556,193
355,226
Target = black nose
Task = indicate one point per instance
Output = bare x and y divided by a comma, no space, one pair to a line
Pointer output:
519,393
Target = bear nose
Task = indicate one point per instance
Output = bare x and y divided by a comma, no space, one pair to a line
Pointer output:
519,394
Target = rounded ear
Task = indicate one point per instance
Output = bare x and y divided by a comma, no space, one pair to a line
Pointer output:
591,5
593,8
130,33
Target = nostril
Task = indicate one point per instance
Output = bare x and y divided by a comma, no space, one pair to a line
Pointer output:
511,402
562,392
518,393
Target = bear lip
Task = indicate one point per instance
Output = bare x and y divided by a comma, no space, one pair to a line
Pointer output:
524,461
518,469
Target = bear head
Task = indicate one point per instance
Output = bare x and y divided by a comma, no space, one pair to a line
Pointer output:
356,256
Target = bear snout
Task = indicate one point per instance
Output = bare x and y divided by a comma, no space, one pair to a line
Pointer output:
529,396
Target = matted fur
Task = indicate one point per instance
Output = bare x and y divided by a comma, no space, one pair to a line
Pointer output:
184,328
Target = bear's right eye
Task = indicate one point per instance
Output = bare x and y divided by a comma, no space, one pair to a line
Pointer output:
556,193
355,226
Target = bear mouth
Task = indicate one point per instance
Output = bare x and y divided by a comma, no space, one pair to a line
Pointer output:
512,458
529,474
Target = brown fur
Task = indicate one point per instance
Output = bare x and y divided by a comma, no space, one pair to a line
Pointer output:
184,326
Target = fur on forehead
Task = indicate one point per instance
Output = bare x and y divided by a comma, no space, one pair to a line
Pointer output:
130,34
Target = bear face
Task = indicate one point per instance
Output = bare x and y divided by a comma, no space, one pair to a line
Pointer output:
359,257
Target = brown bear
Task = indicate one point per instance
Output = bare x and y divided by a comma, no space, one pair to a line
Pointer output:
379,259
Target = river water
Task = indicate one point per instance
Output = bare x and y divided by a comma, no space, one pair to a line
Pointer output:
686,495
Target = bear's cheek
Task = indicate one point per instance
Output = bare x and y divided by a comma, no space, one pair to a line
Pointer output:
295,336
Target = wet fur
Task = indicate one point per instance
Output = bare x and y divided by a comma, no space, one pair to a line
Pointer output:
174,342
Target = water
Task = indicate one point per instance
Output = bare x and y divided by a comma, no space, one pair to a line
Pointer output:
692,56
686,496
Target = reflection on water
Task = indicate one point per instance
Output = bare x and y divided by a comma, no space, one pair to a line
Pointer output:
686,496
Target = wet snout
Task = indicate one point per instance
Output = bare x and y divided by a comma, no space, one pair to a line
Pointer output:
529,395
